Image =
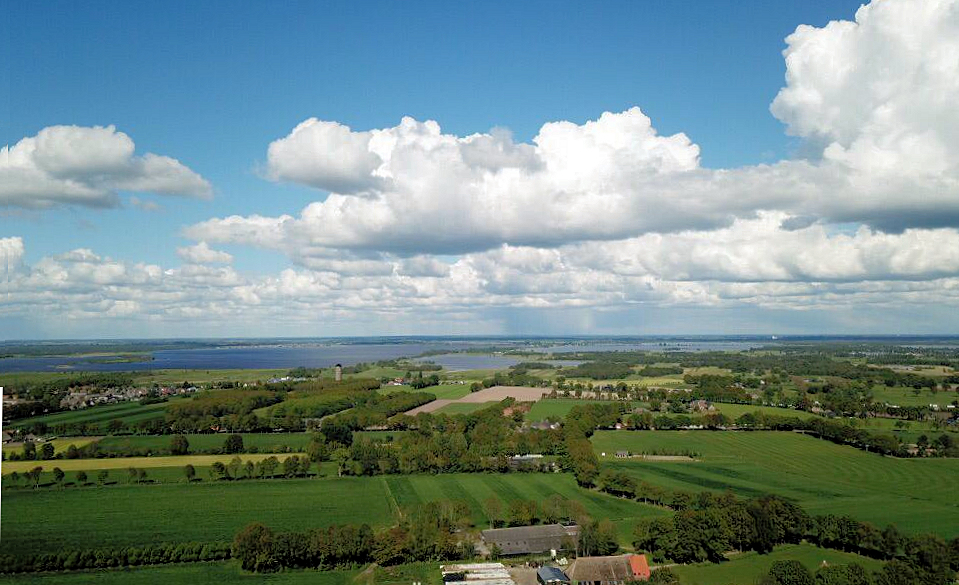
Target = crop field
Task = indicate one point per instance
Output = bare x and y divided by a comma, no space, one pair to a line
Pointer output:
749,567
128,412
264,442
915,494
126,462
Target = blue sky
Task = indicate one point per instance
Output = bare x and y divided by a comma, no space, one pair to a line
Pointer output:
213,84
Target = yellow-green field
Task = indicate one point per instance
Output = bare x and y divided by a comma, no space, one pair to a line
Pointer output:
59,445
125,462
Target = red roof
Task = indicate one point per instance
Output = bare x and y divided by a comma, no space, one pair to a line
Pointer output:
639,566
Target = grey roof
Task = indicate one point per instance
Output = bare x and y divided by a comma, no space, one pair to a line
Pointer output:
523,540
601,569
551,575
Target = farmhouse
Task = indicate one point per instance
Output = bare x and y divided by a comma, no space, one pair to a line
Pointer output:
525,540
613,570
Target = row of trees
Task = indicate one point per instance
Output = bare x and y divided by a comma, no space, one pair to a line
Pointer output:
157,554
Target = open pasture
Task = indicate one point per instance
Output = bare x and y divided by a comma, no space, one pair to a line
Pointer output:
751,566
918,495
902,396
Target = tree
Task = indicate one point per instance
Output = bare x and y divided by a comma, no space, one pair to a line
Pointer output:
790,572
233,444
15,478
764,536
234,466
291,466
29,451
58,476
493,508
81,477
189,472
102,476
253,547
131,474
219,471
46,451
34,475
141,475
250,468
179,445
664,576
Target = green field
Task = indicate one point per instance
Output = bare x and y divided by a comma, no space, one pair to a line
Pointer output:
124,515
442,391
475,488
464,407
909,397
229,572
47,520
918,495
735,411
264,442
187,574
128,412
749,567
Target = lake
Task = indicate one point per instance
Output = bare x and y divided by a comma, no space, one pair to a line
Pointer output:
234,358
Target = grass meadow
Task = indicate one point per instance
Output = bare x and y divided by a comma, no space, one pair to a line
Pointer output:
915,494
751,566
48,520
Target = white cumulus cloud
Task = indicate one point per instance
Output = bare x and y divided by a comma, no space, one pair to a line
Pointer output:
202,253
74,165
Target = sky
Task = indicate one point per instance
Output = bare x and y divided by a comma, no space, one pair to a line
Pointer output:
375,168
